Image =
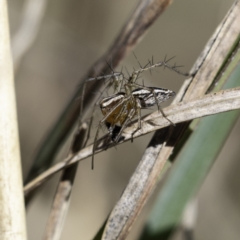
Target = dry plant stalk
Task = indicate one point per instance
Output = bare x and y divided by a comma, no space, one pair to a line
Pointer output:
12,212
63,193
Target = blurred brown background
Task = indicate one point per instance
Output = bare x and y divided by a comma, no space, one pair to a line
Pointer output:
72,36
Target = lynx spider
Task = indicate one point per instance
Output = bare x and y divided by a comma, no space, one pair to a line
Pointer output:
122,107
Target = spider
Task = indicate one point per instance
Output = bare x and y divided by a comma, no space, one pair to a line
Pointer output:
122,107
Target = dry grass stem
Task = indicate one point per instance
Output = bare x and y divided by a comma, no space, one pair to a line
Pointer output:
12,212
62,197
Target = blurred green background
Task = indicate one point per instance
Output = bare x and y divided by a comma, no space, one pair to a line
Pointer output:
72,36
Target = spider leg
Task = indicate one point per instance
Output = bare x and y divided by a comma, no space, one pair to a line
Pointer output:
129,117
123,114
88,131
160,109
163,63
110,133
123,110
95,143
164,115
114,74
138,111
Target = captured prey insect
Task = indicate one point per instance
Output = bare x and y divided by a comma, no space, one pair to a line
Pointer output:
122,107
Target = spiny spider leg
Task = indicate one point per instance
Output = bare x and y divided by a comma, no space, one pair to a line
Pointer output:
139,118
160,109
129,118
95,144
114,74
125,115
116,79
152,65
134,111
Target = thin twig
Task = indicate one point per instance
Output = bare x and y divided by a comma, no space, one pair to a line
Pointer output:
63,193
221,101
12,212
